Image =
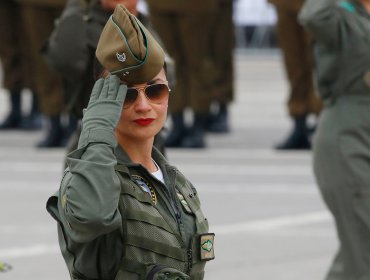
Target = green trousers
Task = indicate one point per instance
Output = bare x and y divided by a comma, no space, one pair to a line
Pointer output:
342,168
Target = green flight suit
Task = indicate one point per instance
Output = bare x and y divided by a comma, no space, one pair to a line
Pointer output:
38,17
342,142
183,27
295,44
115,219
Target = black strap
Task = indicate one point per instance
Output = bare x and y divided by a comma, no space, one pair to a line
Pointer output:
154,270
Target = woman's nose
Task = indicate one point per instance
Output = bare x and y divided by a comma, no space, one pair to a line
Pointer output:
142,102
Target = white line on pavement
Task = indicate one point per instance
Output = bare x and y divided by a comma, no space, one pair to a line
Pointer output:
274,223
259,225
35,250
206,169
217,188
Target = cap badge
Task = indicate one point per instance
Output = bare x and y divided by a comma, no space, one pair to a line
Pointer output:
121,57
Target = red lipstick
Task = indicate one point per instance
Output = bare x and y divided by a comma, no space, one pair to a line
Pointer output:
144,122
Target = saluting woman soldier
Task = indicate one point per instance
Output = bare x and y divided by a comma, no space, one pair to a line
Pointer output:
123,211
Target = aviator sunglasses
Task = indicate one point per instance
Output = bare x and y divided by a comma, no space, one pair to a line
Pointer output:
155,93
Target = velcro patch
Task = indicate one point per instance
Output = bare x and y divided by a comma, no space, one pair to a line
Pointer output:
207,251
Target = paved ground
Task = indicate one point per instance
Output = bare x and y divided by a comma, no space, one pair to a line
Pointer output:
263,205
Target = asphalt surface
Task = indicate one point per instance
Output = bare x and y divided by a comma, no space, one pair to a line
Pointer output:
264,206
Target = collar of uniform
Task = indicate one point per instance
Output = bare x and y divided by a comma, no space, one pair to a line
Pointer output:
124,159
122,156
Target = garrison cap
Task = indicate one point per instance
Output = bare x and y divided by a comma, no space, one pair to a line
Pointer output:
127,49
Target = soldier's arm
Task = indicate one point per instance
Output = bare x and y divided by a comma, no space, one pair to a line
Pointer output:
90,190
325,19
89,193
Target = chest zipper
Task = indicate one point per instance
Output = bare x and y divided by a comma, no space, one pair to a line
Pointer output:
175,207
171,200
190,260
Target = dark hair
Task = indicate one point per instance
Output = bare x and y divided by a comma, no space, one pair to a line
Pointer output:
98,70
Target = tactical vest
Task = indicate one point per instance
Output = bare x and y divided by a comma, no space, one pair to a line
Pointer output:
149,237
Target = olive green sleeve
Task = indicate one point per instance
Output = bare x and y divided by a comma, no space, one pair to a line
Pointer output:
89,193
324,18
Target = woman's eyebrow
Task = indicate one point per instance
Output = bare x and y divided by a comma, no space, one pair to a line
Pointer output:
155,80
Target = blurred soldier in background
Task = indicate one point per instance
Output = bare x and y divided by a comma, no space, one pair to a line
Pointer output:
222,42
16,67
183,27
341,147
39,16
295,44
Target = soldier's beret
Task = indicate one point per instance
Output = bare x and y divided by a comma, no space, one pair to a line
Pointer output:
127,49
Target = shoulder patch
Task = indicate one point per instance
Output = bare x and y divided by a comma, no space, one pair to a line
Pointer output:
207,246
347,6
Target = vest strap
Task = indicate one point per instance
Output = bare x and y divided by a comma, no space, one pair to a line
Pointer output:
156,247
143,216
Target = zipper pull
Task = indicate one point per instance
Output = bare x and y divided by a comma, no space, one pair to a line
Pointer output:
178,217
190,260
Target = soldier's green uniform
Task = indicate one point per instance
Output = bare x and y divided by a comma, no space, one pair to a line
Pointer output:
115,219
108,225
342,141
296,46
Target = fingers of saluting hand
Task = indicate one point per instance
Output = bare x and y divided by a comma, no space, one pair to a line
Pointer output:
109,88
113,89
105,89
96,90
122,93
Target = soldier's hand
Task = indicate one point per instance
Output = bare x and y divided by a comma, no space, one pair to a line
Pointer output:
104,109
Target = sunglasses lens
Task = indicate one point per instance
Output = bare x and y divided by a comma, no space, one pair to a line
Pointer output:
157,93
131,96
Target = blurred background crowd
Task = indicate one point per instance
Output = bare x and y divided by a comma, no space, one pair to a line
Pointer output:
52,62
